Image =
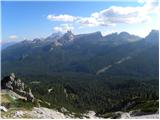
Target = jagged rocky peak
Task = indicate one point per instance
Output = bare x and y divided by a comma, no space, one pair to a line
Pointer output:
13,83
153,33
153,37
69,35
36,40
66,38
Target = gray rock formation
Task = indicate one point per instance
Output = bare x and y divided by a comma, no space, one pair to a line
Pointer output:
15,84
30,96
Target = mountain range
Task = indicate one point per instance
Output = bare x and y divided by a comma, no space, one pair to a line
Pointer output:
105,74
115,55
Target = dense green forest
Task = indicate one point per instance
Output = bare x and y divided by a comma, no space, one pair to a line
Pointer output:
101,94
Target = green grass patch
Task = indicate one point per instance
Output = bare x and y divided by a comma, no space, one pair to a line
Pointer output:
5,98
23,104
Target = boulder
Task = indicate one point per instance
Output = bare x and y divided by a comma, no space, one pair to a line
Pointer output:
64,110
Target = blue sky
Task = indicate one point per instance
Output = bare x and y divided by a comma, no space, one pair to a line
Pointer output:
29,20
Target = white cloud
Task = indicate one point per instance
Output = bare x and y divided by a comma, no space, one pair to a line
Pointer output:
13,37
116,14
128,15
112,15
64,18
63,28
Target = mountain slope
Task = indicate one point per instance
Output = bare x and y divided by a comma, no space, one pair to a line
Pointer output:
86,53
87,69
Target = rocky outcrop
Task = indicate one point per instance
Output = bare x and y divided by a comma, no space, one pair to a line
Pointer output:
2,108
15,84
66,38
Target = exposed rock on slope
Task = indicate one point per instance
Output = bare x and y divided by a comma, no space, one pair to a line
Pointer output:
15,84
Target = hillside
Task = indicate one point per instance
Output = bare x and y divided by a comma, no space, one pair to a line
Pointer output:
15,105
89,72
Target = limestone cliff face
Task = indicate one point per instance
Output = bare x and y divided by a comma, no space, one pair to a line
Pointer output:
15,84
